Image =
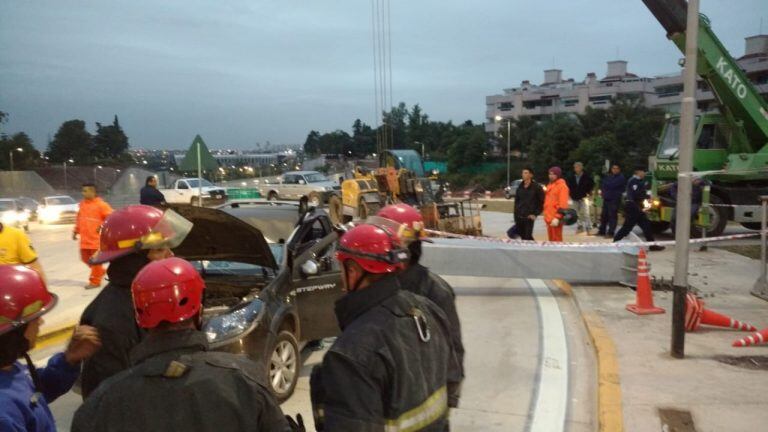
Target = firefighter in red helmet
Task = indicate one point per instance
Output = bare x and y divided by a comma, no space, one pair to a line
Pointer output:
389,367
175,383
130,238
419,280
26,391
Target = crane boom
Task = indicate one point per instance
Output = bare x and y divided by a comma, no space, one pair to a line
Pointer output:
739,99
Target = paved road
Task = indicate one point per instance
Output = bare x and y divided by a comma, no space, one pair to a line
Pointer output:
528,364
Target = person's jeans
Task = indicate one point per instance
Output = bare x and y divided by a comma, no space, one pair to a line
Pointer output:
582,210
634,215
524,228
609,217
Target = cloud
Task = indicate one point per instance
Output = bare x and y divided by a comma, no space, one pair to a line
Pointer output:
242,71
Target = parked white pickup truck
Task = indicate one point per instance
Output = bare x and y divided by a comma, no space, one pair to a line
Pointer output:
187,191
294,185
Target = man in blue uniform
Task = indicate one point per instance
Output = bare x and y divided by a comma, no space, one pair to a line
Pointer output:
611,188
26,391
633,209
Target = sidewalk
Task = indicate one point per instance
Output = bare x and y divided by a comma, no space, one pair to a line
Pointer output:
719,396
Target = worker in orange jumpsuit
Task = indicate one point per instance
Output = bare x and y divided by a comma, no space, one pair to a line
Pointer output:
93,211
555,199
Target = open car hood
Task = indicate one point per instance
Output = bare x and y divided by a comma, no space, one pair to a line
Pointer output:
219,236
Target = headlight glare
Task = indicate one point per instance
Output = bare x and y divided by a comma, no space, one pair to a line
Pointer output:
234,322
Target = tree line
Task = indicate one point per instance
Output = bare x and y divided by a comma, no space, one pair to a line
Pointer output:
625,133
108,145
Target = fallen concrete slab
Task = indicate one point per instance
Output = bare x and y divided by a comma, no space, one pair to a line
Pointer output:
474,257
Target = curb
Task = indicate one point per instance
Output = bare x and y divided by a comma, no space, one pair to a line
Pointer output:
609,406
53,337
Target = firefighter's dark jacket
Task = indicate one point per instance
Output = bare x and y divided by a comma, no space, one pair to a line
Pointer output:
380,374
111,312
419,280
177,385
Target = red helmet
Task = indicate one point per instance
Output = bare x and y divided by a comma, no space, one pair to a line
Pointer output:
166,290
23,297
374,248
137,227
410,220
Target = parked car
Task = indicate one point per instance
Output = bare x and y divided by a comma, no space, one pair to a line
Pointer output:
57,209
187,191
511,190
294,185
12,213
30,205
271,279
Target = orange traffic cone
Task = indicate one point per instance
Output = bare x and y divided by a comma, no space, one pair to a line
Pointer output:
696,314
644,300
757,338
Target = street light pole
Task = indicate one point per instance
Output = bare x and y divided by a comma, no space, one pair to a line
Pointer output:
10,155
685,166
509,135
498,118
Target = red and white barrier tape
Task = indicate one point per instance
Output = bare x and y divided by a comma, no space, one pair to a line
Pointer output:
586,244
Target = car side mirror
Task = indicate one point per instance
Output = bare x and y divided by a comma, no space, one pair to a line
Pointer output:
301,182
310,268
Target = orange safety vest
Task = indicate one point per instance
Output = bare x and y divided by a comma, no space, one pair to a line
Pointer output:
555,198
90,217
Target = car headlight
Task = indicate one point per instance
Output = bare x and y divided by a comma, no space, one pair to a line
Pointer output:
50,214
9,218
656,203
234,322
646,204
328,188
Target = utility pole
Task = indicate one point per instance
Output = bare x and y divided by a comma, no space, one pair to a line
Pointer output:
509,137
685,167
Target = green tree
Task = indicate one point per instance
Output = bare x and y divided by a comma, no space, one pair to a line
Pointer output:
336,142
25,155
72,141
110,142
363,139
557,137
312,143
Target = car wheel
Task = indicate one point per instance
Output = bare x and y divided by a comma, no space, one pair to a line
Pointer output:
752,225
272,196
195,201
718,219
314,200
284,365
659,227
26,228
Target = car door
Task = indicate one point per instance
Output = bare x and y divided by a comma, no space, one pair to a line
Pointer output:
182,191
316,294
287,187
302,188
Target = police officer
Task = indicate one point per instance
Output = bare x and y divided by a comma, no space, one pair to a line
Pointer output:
26,391
130,238
633,209
419,280
176,384
389,367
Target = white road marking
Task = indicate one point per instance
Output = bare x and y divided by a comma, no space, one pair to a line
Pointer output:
551,403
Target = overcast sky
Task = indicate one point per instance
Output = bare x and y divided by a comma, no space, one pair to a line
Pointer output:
245,71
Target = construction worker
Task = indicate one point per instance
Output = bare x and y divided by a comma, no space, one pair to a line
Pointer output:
555,200
175,383
91,215
15,248
26,391
131,238
580,186
419,280
636,194
389,367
